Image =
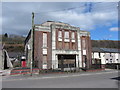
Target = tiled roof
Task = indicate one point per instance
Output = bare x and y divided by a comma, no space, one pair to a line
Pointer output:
110,50
15,54
96,49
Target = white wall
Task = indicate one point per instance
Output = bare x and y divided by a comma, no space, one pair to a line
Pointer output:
103,61
107,57
97,56
117,59
111,57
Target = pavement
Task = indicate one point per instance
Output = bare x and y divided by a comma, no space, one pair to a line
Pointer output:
28,76
103,79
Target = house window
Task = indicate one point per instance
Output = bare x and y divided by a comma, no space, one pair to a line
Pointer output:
73,35
59,35
110,55
66,45
110,60
83,43
44,59
66,35
60,45
106,59
73,45
44,39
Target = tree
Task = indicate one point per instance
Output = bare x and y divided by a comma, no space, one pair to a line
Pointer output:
6,35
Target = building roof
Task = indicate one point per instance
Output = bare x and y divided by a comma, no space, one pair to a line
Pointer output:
15,54
46,26
112,50
96,49
48,23
28,37
106,50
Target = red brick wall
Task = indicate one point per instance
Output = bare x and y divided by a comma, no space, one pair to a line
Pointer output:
88,50
38,50
49,50
63,43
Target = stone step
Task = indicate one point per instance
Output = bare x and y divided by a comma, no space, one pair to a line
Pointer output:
23,71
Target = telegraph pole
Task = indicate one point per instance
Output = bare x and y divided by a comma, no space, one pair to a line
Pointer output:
32,44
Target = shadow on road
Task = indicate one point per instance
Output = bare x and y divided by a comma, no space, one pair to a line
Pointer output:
116,78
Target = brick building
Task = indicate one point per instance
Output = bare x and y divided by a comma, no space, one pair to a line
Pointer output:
59,45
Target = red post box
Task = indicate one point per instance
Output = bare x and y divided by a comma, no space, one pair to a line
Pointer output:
23,62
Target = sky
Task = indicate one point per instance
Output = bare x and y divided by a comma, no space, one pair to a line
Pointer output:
99,18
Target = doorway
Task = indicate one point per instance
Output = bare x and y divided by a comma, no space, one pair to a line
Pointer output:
66,61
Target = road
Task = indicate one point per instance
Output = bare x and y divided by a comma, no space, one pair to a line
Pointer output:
85,80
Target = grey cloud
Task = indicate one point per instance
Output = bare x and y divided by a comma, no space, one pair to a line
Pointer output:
17,16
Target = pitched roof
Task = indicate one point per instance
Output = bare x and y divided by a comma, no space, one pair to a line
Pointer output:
15,54
109,50
112,50
96,49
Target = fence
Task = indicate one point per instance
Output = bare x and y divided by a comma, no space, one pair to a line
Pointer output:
113,65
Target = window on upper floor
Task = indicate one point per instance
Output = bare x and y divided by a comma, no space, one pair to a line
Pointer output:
44,39
83,43
44,59
73,35
59,35
66,35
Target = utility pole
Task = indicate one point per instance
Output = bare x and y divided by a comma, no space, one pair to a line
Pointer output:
32,44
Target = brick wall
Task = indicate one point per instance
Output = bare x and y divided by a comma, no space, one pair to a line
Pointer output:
88,50
38,49
63,42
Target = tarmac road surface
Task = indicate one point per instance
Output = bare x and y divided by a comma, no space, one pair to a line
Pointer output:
107,79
